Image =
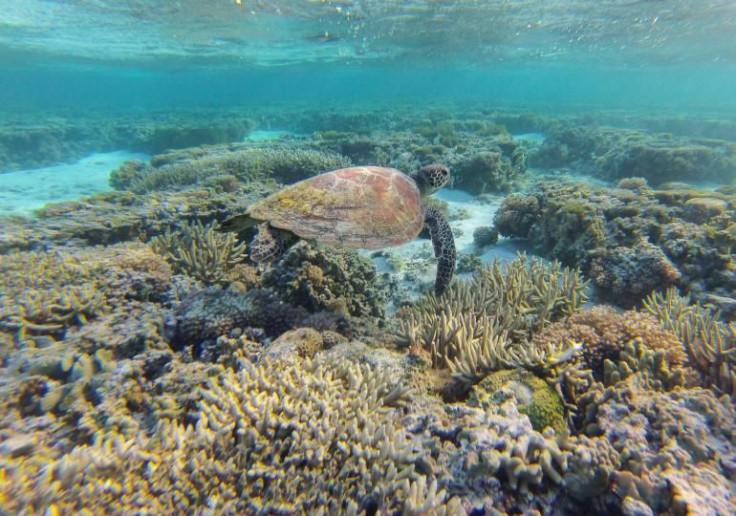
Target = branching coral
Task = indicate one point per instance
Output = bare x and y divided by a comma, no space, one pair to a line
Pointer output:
469,324
201,251
604,333
268,440
51,311
668,442
710,343
44,293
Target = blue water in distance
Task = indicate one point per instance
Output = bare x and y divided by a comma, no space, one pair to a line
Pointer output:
645,55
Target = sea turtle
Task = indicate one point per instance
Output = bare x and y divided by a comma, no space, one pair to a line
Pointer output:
357,207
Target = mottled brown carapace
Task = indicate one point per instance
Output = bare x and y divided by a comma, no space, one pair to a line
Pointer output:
358,207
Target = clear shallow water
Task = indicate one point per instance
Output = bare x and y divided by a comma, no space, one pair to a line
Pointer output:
675,55
117,314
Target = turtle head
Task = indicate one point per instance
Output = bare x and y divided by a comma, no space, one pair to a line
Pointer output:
431,178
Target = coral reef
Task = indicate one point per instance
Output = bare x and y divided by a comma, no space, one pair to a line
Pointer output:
214,164
321,278
200,251
186,381
629,240
613,153
340,450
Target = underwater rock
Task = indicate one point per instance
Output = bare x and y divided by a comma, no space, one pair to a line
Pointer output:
491,171
625,275
211,312
517,215
244,162
701,209
293,345
484,236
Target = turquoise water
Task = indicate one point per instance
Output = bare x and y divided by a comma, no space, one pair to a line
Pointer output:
559,338
672,55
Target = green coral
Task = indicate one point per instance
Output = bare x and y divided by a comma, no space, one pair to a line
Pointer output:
534,397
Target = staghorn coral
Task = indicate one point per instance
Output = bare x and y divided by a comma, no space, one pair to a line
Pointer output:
333,279
517,299
201,251
339,451
710,343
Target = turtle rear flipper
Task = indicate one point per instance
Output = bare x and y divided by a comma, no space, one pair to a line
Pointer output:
444,248
239,223
270,243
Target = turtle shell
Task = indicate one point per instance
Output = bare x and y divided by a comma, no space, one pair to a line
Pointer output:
357,207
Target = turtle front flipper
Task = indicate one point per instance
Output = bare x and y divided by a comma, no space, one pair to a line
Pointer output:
270,243
444,248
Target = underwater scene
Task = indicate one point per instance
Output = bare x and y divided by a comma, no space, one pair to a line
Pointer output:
368,257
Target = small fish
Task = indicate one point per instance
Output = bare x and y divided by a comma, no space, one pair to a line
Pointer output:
566,355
